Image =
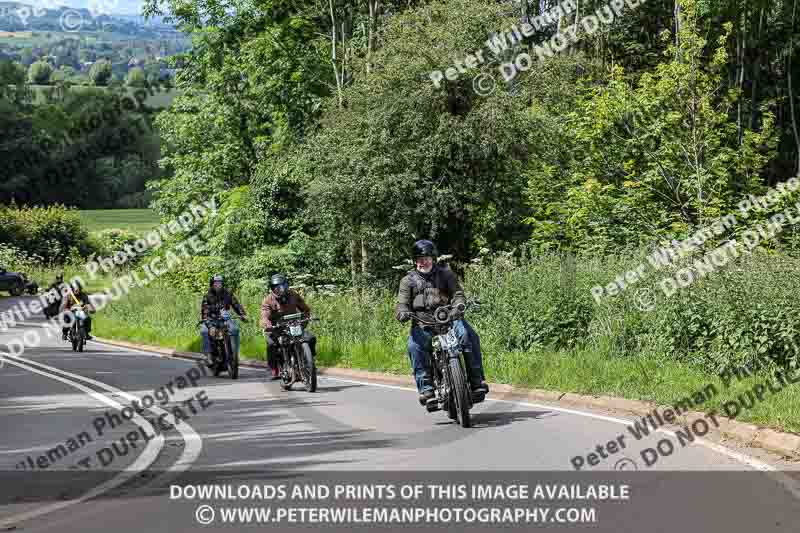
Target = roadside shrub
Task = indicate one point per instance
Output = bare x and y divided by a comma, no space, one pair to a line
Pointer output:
47,232
14,259
109,241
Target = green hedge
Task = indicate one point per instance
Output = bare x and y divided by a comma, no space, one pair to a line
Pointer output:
52,233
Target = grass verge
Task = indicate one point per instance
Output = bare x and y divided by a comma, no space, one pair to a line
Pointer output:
359,333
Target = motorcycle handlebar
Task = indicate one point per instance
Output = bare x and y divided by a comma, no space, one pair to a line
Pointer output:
442,314
286,324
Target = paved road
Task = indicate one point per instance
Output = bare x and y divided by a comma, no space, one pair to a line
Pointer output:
70,464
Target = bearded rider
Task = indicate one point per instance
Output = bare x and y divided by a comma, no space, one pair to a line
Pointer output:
217,299
278,302
423,289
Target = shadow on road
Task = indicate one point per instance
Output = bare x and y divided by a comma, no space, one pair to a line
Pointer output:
497,419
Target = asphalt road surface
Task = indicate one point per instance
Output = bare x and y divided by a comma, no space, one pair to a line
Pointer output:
70,461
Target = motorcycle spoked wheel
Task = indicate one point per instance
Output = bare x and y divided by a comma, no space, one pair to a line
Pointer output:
232,359
218,363
459,394
287,376
81,339
308,367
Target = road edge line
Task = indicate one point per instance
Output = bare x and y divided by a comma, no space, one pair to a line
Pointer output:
787,444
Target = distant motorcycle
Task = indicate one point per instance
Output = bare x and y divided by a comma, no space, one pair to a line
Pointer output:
54,299
222,354
453,391
77,332
298,363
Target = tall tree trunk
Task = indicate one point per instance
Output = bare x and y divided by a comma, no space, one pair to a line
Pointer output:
338,73
756,72
741,43
364,258
677,15
354,261
791,91
374,9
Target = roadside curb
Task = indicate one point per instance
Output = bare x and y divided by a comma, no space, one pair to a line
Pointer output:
787,444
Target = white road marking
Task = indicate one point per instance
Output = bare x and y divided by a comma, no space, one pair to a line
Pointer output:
194,443
145,459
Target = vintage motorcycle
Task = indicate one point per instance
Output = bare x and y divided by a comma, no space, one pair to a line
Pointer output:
77,332
452,388
297,360
222,354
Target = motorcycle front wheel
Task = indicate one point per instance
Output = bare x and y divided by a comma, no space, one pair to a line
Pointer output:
232,358
215,360
286,371
309,368
459,394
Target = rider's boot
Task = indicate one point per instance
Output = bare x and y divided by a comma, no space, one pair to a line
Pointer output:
426,396
478,386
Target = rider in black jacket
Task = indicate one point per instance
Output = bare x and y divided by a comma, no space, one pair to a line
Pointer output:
424,289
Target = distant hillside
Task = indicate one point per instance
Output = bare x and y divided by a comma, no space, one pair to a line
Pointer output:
20,17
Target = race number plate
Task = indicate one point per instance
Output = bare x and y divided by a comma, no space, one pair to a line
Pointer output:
296,331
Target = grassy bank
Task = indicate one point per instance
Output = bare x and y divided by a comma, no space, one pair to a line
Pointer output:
532,335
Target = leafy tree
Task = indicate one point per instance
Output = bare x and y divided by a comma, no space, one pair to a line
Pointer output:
100,73
39,73
135,78
655,160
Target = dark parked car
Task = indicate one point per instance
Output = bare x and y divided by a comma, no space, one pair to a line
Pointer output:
16,283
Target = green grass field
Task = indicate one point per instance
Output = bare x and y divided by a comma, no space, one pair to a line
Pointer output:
136,221
158,100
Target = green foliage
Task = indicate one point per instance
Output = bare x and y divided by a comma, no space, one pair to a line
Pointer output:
135,78
39,73
403,158
48,232
653,161
100,73
14,259
108,242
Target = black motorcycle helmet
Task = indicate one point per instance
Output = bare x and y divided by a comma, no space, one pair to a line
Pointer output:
424,248
279,286
76,286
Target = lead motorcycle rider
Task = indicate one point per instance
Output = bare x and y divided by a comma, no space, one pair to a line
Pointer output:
423,289
215,300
